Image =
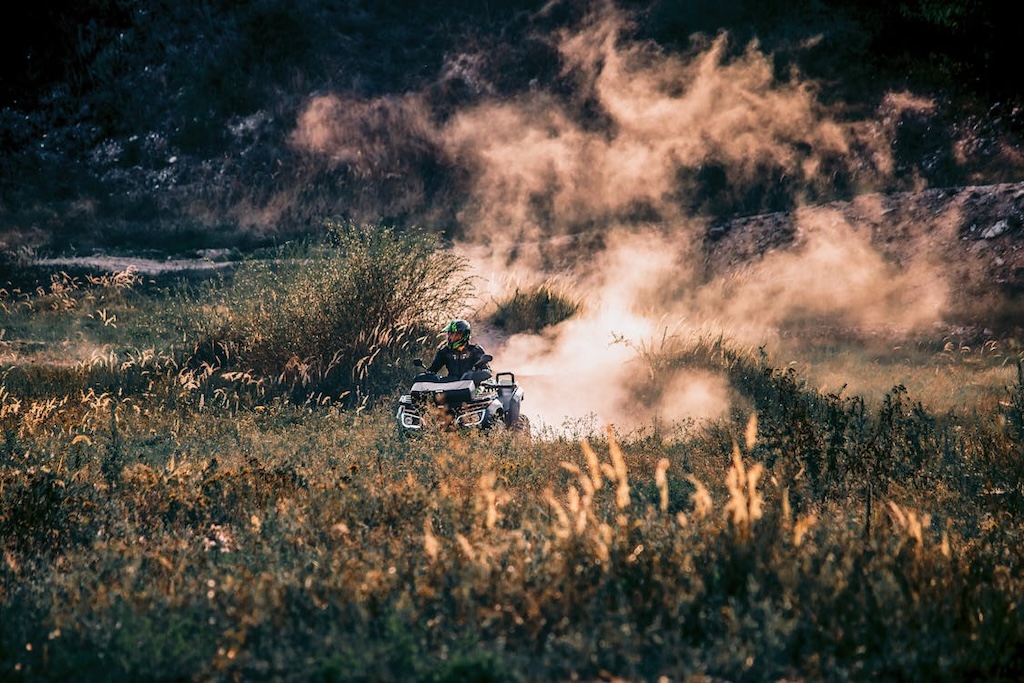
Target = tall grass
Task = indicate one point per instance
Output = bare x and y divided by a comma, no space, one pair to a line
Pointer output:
334,318
533,308
45,311
163,517
145,539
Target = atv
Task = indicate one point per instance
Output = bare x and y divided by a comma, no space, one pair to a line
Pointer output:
477,400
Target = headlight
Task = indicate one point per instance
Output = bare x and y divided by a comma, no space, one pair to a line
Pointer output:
408,418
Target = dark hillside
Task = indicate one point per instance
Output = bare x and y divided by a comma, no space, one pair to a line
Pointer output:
173,125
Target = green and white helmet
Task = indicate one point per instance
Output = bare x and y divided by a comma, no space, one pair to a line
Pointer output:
459,333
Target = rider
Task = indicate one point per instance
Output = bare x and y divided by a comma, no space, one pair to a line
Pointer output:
457,354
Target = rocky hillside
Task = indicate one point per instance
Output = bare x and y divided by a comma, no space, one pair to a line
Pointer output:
168,129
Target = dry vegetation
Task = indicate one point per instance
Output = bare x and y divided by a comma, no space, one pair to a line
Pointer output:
200,478
166,516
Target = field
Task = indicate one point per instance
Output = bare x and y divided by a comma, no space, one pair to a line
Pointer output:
190,489
757,266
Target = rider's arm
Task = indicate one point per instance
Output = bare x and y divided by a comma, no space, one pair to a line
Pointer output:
438,361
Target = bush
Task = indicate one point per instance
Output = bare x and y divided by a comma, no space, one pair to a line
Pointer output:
332,318
142,540
535,308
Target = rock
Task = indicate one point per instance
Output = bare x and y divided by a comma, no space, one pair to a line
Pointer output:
996,230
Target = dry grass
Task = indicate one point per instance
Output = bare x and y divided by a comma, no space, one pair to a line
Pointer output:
533,308
946,374
289,542
167,520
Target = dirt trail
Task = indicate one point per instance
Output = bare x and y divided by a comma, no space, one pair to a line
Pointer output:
146,266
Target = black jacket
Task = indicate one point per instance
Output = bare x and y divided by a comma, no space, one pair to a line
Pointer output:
457,362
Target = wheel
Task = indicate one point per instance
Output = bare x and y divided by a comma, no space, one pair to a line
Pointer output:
521,427
494,424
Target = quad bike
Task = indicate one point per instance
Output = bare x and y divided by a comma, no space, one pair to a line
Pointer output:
477,400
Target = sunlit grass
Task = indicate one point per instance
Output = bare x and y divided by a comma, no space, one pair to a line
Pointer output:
163,516
237,544
942,373
71,317
531,309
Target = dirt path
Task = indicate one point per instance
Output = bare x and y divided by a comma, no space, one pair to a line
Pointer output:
146,266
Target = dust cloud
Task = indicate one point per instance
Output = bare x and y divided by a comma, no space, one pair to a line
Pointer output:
540,171
361,134
600,365
608,207
831,273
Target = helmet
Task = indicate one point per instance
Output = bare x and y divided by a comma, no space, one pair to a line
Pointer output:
458,334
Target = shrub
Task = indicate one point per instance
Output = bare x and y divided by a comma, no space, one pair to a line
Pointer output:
535,308
333,317
288,541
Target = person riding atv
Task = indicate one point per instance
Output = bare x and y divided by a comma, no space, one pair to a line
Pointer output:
457,354
471,396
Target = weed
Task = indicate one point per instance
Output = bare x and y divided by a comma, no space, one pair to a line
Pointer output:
332,319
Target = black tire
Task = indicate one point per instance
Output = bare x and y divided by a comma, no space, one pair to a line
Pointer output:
521,427
496,424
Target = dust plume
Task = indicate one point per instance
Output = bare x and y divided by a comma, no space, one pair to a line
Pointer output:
605,362
387,147
831,273
369,137
540,173
616,196
540,170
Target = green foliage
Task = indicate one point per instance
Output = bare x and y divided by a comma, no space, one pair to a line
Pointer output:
472,668
334,318
948,14
535,308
